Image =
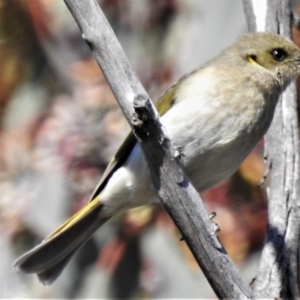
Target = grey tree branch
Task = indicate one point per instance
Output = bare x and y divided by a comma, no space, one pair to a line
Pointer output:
175,191
278,271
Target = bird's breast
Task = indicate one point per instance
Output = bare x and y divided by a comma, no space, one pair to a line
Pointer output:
217,131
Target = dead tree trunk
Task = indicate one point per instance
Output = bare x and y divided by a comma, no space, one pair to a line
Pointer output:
278,273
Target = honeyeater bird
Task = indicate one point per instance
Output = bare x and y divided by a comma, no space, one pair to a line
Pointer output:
216,114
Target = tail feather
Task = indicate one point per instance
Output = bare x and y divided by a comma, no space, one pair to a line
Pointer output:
50,257
48,276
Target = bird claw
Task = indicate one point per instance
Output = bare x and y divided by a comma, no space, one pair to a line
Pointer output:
215,225
178,154
212,215
216,228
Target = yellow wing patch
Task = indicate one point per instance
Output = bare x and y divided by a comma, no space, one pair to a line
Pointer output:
166,101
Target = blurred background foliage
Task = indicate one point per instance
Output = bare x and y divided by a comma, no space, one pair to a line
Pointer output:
60,125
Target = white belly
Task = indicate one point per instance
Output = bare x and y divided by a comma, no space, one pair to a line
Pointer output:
215,139
212,153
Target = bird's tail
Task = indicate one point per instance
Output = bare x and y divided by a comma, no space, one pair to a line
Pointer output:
49,258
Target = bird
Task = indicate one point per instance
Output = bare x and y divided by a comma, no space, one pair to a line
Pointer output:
216,114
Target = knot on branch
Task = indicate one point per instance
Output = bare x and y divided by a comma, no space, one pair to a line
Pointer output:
146,120
141,106
144,116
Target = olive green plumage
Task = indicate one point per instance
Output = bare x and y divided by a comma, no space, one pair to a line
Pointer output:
217,114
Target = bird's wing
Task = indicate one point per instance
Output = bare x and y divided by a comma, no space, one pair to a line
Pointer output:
163,105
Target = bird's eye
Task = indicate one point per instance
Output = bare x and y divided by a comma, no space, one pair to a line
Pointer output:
279,54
